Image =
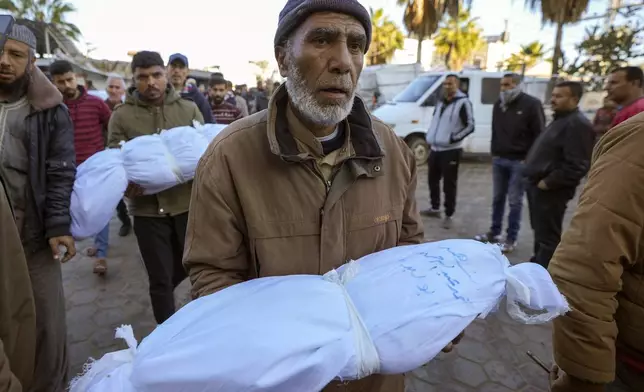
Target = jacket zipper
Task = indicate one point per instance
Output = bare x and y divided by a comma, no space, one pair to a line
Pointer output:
327,187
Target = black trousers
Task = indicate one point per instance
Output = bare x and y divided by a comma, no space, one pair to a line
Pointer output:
121,211
161,241
547,210
443,165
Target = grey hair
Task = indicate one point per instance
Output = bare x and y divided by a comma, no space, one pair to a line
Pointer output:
116,77
516,78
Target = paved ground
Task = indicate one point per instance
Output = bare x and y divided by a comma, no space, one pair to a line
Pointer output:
491,358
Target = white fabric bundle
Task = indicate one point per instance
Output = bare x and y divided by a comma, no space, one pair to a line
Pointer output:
100,183
389,312
156,162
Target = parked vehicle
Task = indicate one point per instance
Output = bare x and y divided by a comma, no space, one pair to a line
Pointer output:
385,82
410,113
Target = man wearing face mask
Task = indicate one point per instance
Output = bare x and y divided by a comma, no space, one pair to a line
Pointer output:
37,165
517,121
160,220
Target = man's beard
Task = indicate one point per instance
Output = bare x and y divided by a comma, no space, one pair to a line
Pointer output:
303,99
16,88
218,100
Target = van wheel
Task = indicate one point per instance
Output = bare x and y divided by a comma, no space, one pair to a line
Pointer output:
419,148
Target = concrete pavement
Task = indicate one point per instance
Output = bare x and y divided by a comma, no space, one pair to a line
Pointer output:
491,358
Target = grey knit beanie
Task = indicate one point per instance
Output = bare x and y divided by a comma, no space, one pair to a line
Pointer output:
295,13
22,34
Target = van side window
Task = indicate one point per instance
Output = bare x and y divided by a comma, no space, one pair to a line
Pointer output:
465,86
490,90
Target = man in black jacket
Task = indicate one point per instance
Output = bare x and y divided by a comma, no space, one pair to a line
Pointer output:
556,164
517,121
37,164
178,71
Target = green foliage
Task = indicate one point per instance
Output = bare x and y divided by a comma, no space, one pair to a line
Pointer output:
458,39
529,55
386,38
602,51
53,12
422,17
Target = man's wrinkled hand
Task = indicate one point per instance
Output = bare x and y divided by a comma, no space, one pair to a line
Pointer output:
562,382
66,241
133,190
450,345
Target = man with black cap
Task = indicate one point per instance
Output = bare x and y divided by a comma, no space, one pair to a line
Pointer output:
37,165
178,71
310,182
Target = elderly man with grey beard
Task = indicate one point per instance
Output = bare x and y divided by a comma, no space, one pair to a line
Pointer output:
311,182
37,164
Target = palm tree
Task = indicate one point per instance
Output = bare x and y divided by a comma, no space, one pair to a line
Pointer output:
422,17
458,39
560,13
527,57
386,38
51,12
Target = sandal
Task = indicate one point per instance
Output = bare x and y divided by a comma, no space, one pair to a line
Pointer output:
100,267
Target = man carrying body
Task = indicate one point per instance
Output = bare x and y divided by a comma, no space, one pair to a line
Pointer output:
625,89
178,71
453,121
115,92
222,111
318,189
90,116
599,268
555,166
517,121
159,220
38,167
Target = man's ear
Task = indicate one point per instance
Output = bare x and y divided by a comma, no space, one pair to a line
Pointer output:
282,58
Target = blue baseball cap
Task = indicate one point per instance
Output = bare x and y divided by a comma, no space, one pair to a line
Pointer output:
178,57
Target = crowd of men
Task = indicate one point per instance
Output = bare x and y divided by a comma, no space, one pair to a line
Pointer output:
302,181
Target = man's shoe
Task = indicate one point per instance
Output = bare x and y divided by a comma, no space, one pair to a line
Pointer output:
488,237
447,223
125,230
431,213
100,267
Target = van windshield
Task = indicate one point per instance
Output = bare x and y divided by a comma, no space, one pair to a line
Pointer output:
416,89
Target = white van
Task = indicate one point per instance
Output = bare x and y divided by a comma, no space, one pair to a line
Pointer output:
410,113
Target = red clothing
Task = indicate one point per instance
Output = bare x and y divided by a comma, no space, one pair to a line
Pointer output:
225,113
90,116
629,111
603,120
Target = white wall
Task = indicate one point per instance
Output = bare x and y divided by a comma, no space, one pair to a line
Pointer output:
407,55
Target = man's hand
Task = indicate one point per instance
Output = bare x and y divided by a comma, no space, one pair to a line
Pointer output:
68,243
450,346
133,190
561,382
542,185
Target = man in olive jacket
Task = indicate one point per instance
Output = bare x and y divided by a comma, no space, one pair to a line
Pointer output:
160,220
17,312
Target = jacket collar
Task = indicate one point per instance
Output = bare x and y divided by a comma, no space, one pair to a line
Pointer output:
363,139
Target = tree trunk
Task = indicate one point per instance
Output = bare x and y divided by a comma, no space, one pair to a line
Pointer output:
556,57
419,51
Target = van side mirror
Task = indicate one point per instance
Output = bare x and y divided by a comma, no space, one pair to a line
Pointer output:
430,101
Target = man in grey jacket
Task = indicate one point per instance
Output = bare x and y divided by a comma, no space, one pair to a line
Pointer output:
452,122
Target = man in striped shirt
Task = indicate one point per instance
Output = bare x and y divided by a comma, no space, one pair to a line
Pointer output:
90,116
222,111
